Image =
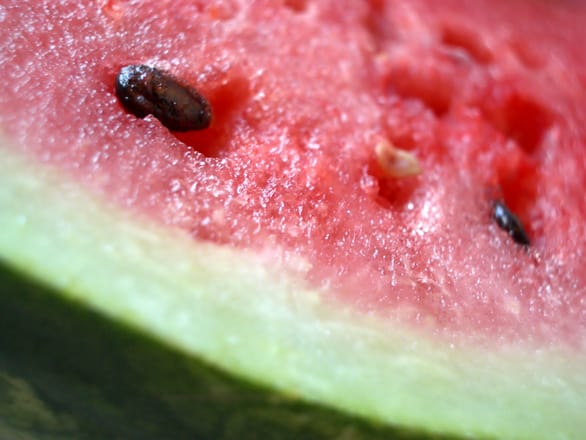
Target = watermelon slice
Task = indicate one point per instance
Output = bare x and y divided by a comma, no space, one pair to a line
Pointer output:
336,255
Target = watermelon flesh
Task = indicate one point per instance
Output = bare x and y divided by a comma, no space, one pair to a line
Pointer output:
487,96
288,162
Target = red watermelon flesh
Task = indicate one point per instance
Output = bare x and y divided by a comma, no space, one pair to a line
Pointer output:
489,95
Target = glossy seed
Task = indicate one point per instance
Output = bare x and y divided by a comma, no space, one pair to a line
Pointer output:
144,90
509,223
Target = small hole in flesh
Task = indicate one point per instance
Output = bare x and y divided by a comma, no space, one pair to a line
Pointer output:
296,5
467,41
227,97
209,135
393,171
518,117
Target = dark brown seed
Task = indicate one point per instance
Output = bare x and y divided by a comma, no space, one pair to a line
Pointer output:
144,90
509,223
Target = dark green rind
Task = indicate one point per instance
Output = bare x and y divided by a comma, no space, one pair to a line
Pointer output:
70,373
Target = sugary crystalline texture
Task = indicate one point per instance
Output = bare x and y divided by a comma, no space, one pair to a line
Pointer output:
488,96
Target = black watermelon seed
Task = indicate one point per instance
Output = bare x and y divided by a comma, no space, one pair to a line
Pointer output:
144,90
509,223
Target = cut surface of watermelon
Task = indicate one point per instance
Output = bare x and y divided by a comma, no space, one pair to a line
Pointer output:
288,162
272,244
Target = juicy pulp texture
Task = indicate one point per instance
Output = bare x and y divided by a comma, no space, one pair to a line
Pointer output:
488,97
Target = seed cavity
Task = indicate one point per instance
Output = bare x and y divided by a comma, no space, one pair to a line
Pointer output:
395,162
144,90
509,222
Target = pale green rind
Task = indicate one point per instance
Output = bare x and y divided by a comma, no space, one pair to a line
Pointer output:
69,373
233,310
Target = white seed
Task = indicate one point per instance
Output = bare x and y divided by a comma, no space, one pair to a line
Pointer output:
395,162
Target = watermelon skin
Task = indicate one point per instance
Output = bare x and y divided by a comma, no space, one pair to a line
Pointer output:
109,381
